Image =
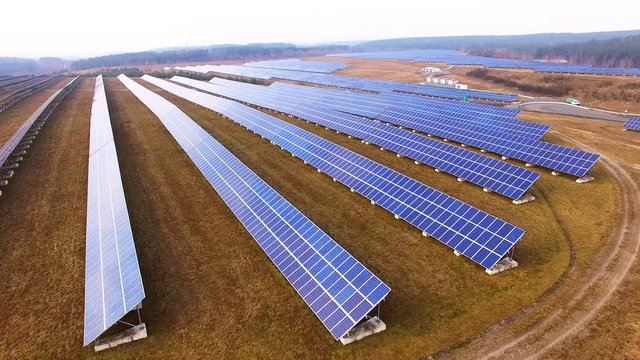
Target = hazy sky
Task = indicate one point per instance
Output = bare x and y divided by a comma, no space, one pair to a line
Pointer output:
70,28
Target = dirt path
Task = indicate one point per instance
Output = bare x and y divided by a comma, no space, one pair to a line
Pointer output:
588,298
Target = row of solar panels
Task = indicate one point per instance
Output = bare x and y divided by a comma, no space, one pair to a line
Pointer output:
475,234
113,284
485,116
379,86
299,65
338,289
632,124
507,136
457,58
15,139
499,176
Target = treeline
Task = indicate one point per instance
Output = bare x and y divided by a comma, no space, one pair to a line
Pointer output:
554,87
18,66
213,53
479,43
136,72
618,52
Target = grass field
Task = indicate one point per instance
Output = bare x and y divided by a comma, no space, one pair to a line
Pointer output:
615,93
213,293
12,118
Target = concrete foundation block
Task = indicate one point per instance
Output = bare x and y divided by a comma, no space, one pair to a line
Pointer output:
127,336
367,328
524,199
585,179
502,265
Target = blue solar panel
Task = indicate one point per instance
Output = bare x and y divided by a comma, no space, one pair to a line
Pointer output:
531,150
299,65
496,138
475,234
10,145
483,116
632,124
337,288
350,82
555,157
113,284
499,176
459,58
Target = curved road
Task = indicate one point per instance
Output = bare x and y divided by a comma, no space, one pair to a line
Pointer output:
556,107
589,295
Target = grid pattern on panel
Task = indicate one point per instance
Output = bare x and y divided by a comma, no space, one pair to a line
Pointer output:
552,156
299,65
632,124
348,82
113,284
338,289
369,105
485,116
475,234
499,176
10,145
454,57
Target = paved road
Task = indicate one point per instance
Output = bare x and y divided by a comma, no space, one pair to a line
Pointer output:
567,109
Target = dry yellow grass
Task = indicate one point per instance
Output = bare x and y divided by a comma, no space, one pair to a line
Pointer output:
13,117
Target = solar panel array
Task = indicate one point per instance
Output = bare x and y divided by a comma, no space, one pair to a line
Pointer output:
337,288
504,138
499,176
351,82
471,232
632,124
453,57
15,139
555,157
113,284
474,115
299,65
